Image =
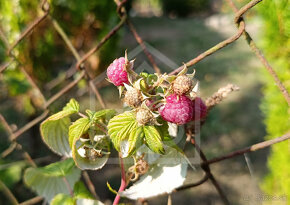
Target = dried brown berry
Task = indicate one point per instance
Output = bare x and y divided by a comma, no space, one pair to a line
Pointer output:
141,166
144,116
133,97
182,85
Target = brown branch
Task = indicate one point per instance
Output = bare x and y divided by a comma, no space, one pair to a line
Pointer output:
239,20
141,43
90,184
78,58
251,148
30,28
97,93
28,126
206,168
100,44
65,89
213,49
8,193
220,95
188,186
34,200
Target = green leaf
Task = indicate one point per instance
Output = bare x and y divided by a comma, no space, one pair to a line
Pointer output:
84,162
63,199
54,130
48,181
80,191
77,129
153,139
55,134
120,127
107,114
163,129
71,107
10,175
135,139
81,197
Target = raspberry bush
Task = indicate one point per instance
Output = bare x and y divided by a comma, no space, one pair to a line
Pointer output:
152,103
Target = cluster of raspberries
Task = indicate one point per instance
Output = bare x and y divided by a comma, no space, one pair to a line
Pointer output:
179,108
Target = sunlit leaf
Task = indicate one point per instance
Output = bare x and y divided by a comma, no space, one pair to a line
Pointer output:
106,113
63,199
55,134
80,191
77,129
54,130
153,139
135,139
71,107
49,181
166,174
120,127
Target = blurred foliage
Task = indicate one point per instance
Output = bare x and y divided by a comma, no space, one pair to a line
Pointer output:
183,8
43,54
276,43
45,57
11,173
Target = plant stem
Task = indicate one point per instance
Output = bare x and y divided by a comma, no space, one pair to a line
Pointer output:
68,186
123,181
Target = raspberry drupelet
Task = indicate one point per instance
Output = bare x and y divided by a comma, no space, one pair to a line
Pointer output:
117,72
177,109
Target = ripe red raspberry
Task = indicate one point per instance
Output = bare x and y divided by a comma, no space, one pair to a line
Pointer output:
178,109
117,73
199,109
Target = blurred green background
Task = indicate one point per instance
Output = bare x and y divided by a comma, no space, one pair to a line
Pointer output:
179,30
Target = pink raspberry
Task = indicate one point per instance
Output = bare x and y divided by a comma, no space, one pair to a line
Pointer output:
117,73
199,109
178,109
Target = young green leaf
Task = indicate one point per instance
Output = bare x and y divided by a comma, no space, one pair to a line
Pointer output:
153,139
135,139
54,130
77,129
120,127
80,191
48,181
71,107
63,199
106,114
55,134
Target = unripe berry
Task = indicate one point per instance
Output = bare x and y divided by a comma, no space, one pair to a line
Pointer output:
117,72
178,109
182,85
144,116
133,97
199,109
